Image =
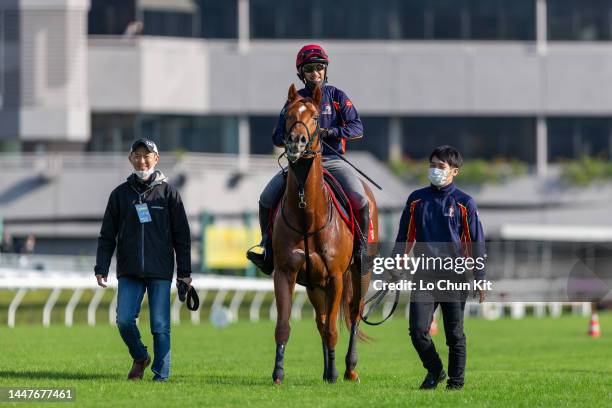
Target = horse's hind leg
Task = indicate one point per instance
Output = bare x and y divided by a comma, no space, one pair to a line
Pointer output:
355,308
334,295
283,290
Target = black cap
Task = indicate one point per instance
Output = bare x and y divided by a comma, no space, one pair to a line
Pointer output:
147,143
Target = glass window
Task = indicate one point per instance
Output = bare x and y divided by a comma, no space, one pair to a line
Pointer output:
273,19
219,18
383,19
571,138
262,19
502,19
116,132
443,19
487,138
412,19
352,19
112,132
261,128
584,20
169,23
110,17
375,139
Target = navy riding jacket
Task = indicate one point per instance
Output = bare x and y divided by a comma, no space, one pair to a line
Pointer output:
338,115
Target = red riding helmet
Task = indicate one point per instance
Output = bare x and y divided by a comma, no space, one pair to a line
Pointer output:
311,53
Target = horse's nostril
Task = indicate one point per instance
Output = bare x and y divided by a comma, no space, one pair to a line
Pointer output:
303,139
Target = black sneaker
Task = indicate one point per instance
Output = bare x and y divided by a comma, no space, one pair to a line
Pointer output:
453,386
432,380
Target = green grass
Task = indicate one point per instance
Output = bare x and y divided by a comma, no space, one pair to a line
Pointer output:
529,362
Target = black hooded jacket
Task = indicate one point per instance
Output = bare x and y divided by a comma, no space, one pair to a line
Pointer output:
145,250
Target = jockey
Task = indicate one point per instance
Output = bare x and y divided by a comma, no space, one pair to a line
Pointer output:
339,122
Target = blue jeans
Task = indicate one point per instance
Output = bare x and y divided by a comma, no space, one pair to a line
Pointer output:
129,298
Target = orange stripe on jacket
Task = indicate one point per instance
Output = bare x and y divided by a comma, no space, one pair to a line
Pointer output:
466,238
342,123
411,227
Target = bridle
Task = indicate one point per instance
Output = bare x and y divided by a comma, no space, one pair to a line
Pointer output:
308,151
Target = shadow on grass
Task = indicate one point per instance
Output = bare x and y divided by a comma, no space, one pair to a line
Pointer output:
263,381
54,375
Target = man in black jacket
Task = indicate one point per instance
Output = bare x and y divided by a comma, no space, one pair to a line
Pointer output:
146,221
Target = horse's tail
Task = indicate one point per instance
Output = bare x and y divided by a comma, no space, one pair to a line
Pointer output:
345,307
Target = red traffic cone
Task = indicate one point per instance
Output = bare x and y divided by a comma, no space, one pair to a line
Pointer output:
594,329
433,329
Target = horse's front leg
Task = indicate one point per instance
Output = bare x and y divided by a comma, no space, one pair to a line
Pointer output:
317,298
283,291
334,295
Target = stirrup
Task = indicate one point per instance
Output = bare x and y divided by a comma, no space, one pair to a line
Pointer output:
258,250
257,255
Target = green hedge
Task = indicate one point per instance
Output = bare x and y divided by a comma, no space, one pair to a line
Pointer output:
584,171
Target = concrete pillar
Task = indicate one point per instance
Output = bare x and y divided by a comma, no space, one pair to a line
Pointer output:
541,25
395,139
244,143
243,26
541,146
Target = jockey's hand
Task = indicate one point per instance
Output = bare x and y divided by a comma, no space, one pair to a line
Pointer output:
325,133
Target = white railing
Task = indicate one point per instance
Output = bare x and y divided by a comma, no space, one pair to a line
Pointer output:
23,280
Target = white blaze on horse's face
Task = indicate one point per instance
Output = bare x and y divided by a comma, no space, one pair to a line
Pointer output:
297,140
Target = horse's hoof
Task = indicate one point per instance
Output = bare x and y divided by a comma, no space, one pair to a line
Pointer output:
352,376
277,376
331,378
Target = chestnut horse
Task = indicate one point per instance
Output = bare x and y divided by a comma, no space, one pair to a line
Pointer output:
313,245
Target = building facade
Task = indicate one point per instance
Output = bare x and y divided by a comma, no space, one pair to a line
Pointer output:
514,79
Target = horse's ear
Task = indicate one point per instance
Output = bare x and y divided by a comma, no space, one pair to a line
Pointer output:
292,93
317,96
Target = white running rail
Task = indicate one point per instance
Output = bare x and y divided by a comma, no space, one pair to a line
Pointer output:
235,289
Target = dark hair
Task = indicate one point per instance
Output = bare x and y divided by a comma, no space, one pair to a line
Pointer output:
447,154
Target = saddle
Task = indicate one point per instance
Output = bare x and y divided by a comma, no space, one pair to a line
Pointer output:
339,199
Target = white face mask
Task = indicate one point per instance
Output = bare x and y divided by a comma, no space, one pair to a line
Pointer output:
144,174
438,177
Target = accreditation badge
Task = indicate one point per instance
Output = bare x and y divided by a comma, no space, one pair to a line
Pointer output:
143,213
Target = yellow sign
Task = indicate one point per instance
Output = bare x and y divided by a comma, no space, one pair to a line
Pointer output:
225,247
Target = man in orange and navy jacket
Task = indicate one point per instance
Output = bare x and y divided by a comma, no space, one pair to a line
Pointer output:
441,220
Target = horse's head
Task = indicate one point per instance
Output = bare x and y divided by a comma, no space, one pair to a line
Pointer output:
302,125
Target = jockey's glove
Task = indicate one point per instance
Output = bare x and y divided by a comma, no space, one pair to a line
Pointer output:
327,132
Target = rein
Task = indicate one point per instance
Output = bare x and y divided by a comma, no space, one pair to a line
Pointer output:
376,299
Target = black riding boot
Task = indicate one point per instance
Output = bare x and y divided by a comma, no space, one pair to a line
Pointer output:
261,255
364,227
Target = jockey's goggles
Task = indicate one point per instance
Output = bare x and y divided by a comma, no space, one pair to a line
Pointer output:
308,68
